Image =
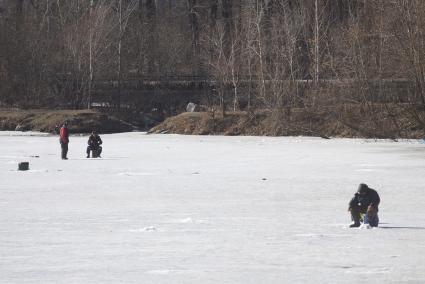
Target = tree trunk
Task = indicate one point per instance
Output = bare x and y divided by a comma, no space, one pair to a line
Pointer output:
89,97
118,101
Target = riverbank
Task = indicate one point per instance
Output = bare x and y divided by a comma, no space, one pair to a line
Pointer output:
79,121
384,122
349,121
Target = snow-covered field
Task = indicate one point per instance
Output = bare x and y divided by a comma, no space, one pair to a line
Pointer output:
200,209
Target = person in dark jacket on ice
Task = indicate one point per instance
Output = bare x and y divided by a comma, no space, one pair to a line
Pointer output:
364,207
64,140
94,145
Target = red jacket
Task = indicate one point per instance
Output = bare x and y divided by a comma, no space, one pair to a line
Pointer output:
63,135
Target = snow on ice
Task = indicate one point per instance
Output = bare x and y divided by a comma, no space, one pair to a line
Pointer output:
203,209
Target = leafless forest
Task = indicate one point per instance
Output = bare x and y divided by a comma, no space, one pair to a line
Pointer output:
231,55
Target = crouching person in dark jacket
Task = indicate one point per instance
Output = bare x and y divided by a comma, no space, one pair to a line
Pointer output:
94,145
364,207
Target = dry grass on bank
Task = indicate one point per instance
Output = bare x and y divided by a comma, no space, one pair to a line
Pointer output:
79,121
344,121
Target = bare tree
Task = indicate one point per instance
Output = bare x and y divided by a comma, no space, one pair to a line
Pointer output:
124,13
99,30
234,65
258,20
411,34
148,37
287,32
218,62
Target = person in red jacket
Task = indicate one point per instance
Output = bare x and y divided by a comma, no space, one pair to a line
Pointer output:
64,140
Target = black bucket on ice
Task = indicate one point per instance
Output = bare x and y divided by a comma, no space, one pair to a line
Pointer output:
23,166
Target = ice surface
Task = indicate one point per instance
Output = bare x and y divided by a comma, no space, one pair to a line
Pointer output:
200,209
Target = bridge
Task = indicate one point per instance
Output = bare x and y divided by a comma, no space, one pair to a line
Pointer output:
172,93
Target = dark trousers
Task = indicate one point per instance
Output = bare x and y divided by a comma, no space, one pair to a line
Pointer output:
366,215
64,147
96,151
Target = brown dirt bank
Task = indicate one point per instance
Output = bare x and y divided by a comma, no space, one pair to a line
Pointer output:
80,121
344,121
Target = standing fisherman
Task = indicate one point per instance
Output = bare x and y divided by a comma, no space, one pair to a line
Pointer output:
64,140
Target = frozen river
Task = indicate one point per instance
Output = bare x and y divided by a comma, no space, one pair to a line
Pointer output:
202,209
